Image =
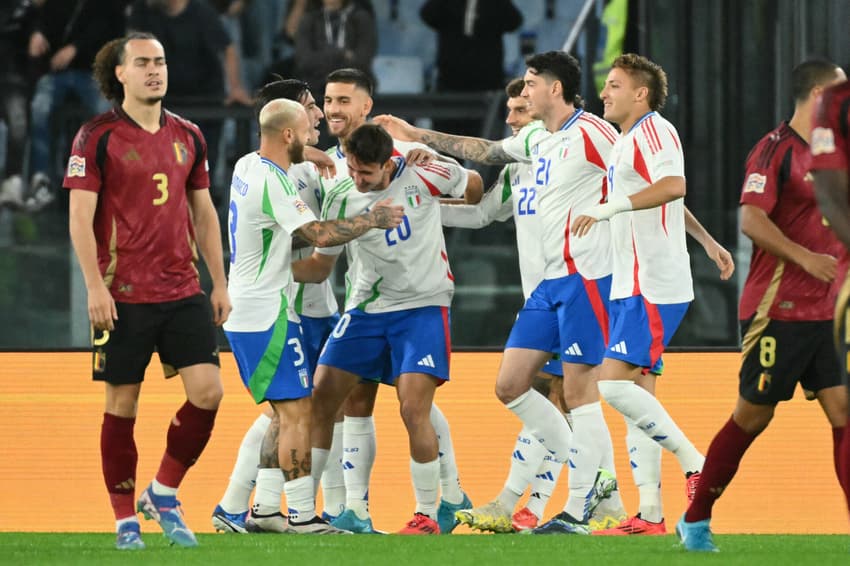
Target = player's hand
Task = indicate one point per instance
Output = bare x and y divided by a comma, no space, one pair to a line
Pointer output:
822,267
396,127
38,45
62,58
385,214
722,259
582,225
220,302
322,161
238,95
102,310
419,156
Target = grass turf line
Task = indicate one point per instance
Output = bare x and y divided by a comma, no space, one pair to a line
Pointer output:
88,549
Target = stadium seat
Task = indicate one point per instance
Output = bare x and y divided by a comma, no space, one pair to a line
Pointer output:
399,74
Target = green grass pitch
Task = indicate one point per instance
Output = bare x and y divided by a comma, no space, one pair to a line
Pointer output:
514,550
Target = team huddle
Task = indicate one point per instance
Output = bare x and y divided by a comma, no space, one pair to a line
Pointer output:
601,234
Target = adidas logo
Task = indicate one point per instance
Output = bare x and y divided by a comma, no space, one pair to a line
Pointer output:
518,456
347,465
131,155
427,361
546,476
620,347
573,350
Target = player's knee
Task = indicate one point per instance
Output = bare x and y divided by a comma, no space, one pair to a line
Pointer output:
507,390
209,397
414,414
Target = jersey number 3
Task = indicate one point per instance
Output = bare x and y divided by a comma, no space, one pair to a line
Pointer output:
161,180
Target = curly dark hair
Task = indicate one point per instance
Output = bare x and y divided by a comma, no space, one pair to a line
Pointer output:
370,143
645,73
108,57
559,66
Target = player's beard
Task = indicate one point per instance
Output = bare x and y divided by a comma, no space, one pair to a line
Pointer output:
296,152
153,100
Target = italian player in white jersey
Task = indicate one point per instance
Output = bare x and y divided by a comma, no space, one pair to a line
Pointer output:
567,312
652,285
348,102
257,459
265,335
396,320
531,464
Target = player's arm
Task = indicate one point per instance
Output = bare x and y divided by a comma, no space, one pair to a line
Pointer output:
474,187
323,161
757,226
662,191
496,204
831,192
464,147
208,233
324,233
313,269
101,305
715,252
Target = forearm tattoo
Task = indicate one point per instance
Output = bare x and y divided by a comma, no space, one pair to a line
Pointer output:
474,149
338,232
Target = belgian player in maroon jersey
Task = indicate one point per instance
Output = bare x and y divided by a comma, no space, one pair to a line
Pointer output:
830,159
786,305
139,207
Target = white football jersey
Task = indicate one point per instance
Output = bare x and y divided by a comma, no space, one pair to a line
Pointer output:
265,210
509,198
650,255
405,267
568,178
313,300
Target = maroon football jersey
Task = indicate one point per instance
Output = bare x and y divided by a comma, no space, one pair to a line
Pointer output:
778,181
145,240
830,145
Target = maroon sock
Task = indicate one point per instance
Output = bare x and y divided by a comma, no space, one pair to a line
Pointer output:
721,464
118,457
844,463
187,436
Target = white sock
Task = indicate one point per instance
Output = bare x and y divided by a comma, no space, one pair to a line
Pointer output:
319,458
299,499
645,460
358,459
426,484
244,475
333,482
544,422
160,489
646,411
585,456
526,458
543,484
449,480
269,488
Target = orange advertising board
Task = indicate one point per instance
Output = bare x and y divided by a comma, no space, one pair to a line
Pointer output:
51,411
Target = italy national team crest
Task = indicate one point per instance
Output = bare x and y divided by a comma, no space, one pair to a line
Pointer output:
180,152
76,166
412,194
